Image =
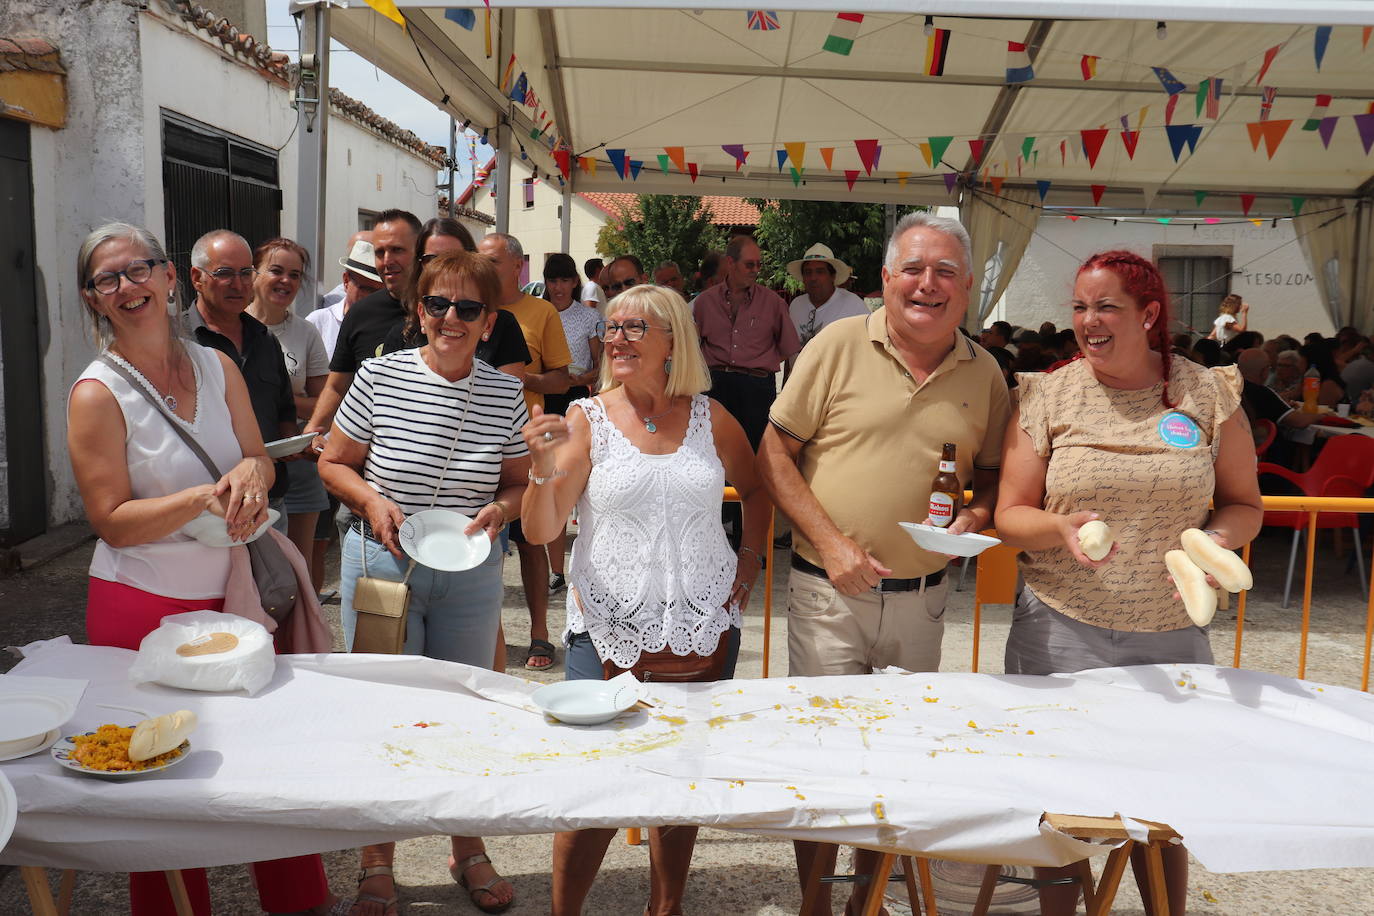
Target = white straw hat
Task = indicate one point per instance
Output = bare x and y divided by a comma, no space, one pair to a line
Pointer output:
819,252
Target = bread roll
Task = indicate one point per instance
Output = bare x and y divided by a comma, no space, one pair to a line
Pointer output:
1199,598
161,734
1095,538
1223,565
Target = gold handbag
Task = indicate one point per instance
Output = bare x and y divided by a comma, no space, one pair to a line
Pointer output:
381,606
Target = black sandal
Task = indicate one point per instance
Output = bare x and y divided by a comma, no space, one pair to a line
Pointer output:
540,648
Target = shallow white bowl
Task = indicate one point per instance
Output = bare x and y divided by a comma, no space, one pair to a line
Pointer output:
210,529
938,540
28,717
293,445
435,538
585,702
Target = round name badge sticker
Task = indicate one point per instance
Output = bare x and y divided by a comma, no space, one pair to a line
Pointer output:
1179,430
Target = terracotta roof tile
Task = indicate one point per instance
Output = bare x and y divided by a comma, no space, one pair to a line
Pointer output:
387,128
29,52
241,44
725,211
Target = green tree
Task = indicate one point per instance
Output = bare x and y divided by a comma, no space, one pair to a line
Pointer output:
661,227
855,232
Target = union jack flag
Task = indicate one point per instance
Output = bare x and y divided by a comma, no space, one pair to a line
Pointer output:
764,20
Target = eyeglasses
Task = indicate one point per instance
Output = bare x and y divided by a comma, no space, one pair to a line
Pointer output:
108,281
438,306
634,329
226,274
622,285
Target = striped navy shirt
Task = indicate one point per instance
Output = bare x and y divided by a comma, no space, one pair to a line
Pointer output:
408,416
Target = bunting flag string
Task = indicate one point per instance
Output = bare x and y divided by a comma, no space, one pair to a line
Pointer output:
764,20
937,47
1320,104
1320,38
1019,69
843,33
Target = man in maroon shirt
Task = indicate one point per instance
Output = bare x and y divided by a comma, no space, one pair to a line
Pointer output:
746,334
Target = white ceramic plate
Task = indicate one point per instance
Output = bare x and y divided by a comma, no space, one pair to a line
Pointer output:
285,448
29,715
35,745
938,540
435,538
62,752
210,529
9,810
585,702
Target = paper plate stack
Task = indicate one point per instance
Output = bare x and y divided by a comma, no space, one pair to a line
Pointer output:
31,722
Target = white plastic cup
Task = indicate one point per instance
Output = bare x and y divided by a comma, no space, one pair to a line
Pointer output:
1342,410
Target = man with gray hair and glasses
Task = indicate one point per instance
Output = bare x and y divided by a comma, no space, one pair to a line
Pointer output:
852,446
222,276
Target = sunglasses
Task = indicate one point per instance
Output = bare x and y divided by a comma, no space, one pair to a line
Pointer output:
622,285
468,309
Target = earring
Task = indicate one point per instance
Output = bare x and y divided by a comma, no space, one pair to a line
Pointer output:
486,337
668,366
1147,326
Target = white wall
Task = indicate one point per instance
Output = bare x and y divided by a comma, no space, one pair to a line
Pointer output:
1273,278
538,228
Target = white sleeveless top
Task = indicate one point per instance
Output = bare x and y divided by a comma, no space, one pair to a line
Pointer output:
176,566
651,566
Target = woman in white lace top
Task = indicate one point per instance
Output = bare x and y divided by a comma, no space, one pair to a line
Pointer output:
653,584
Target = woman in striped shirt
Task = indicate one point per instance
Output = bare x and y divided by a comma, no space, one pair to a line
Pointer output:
433,427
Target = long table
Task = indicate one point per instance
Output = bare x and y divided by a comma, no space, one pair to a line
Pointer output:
1255,771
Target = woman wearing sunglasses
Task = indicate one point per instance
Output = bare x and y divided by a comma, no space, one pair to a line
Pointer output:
653,585
433,427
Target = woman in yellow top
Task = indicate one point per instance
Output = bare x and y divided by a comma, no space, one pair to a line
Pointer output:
1144,442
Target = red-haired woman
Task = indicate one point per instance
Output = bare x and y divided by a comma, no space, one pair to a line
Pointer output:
1144,442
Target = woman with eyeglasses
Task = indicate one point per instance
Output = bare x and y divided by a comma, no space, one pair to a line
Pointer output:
280,265
653,585
432,427
140,493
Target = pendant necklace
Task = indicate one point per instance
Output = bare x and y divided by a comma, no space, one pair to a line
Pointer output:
168,399
649,421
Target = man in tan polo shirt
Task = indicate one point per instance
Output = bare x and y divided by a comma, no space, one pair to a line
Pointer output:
852,446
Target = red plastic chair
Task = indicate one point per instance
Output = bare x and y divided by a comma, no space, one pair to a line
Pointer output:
1265,431
1345,468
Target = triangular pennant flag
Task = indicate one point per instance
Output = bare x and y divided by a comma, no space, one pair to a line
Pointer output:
1271,132
1246,202
1364,123
1268,59
1267,94
796,178
1088,65
1199,197
796,151
617,157
1181,135
997,184
1097,190
1019,69
952,177
868,154
828,156
1200,99
850,176
926,154
635,166
1130,138
976,148
1257,223
1297,203
938,145
1325,129
466,19
1320,104
1168,81
1027,145
1043,187
587,164
663,162
522,86
388,9
564,159
737,151
1071,217
1169,109
937,46
1214,97
692,170
1319,40
782,158
1063,145
1364,37
1149,190
843,32
901,178
678,157
1092,144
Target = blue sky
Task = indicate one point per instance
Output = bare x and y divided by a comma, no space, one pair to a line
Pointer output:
358,78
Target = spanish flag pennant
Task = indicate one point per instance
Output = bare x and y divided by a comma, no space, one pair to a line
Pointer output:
1088,64
388,9
937,46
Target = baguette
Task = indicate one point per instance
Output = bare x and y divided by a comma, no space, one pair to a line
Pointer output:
1199,598
1223,565
160,734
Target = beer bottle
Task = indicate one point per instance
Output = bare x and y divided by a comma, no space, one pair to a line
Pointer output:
945,491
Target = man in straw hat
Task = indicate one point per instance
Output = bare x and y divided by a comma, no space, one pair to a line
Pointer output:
824,301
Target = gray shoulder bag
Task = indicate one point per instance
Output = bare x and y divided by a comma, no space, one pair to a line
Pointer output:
273,573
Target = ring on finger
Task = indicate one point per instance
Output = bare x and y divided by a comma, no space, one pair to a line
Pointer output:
548,436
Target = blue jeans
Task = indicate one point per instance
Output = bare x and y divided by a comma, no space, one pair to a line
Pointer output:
453,615
583,662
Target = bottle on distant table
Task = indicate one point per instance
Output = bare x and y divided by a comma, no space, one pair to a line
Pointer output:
1311,385
945,490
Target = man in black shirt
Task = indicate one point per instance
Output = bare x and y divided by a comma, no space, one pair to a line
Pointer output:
222,275
368,322
1263,403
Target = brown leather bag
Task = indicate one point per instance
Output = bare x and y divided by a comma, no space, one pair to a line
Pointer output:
665,667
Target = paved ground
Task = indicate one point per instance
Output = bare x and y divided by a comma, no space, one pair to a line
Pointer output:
734,874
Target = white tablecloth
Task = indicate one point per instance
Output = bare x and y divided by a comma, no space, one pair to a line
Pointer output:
1255,771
